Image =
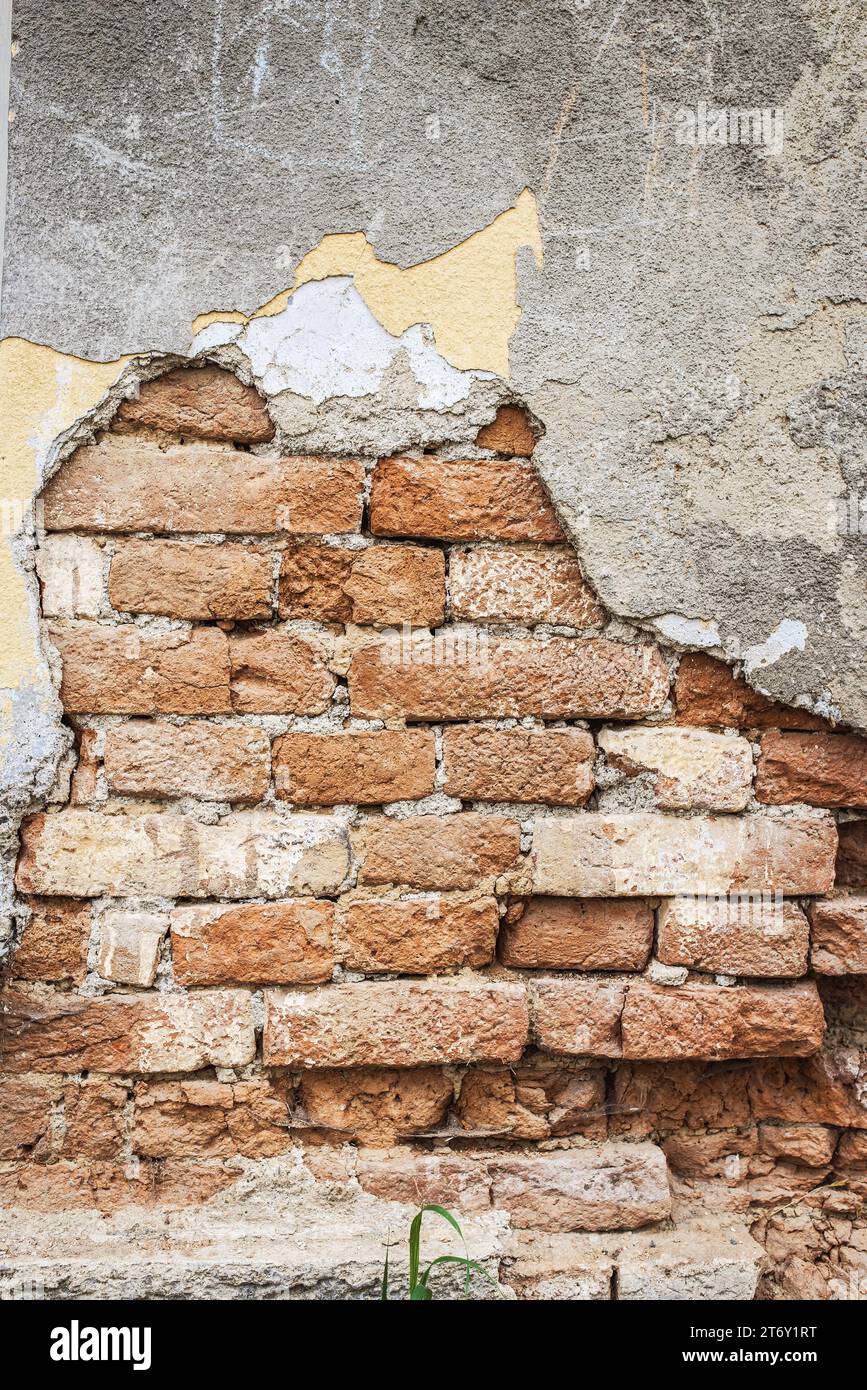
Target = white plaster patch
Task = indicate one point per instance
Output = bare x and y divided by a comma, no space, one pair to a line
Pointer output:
327,343
789,635
688,632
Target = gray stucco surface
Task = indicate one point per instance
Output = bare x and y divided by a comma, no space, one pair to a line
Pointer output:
693,344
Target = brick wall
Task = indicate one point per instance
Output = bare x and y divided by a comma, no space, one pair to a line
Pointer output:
378,832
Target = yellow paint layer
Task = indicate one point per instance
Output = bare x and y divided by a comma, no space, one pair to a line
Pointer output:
42,393
468,294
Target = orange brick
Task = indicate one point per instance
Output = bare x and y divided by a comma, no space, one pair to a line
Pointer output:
54,942
182,580
123,670
26,1104
203,402
578,1017
707,692
124,483
461,500
554,766
277,672
420,937
510,432
214,761
381,585
464,676
375,1105
459,851
211,1119
820,769
396,1023
716,1022
332,769
577,934
255,943
521,585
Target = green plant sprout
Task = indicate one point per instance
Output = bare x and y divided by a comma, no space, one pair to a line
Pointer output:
419,1280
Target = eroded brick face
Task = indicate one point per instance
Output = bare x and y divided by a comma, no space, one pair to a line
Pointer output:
383,853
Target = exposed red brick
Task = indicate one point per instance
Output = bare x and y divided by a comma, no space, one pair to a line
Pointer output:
374,1105
852,854
706,692
752,935
124,483
255,943
46,1032
418,937
418,1179
838,929
123,670
211,1119
476,499
535,1099
106,1186
821,769
811,1145
334,769
466,676
460,851
93,1113
510,432
277,672
712,1021
577,934
578,1017
204,402
381,585
214,761
396,1023
521,585
183,580
53,945
606,1187
26,1103
554,766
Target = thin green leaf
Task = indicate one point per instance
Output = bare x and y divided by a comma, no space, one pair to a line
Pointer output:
460,1260
384,1290
414,1250
421,1294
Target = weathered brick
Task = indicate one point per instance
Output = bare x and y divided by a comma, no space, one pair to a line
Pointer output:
418,1179
461,500
578,1017
205,402
217,762
183,580
129,946
70,570
852,1150
707,692
577,934
693,770
535,1099
26,1104
652,1098
554,766
124,670
466,850
277,672
379,585
53,945
109,1186
248,854
462,675
838,929
255,943
128,484
714,1022
211,1119
606,1187
749,935
94,1118
84,783
46,1032
509,432
418,937
852,854
821,769
508,584
643,855
333,769
396,1023
811,1145
374,1105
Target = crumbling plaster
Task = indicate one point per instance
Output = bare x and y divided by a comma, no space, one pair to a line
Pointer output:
438,210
